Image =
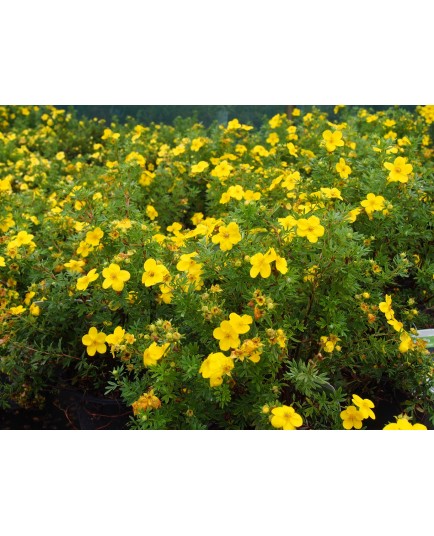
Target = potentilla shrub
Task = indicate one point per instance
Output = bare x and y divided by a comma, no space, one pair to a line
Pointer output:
221,278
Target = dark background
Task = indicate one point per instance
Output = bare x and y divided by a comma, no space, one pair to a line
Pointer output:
206,114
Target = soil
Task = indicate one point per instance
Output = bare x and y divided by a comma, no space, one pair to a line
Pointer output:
50,418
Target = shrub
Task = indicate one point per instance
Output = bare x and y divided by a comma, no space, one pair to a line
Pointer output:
221,277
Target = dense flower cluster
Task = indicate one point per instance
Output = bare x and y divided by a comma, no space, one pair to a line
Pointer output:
222,277
403,423
353,416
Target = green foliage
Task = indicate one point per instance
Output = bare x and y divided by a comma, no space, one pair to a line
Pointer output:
79,197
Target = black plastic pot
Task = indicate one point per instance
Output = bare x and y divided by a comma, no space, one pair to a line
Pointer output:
50,417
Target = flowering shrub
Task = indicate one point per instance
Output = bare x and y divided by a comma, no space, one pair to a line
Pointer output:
224,278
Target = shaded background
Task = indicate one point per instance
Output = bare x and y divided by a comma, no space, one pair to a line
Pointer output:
206,114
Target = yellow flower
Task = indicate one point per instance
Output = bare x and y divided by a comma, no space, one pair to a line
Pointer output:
129,338
343,169
34,309
197,218
227,236
286,418
147,400
175,228
261,264
240,323
193,278
186,262
273,139
123,225
365,406
28,298
310,228
78,205
2,262
84,249
399,170
6,223
198,168
332,139
372,203
17,310
331,193
146,178
83,282
75,266
276,121
352,418
79,225
352,215
288,222
151,212
108,134
329,343
5,185
402,423
292,149
115,277
215,366
154,273
225,198
166,293
60,155
280,338
251,348
406,342
23,238
226,335
250,195
427,112
136,157
234,124
222,170
311,273
116,337
197,144
179,149
386,307
291,130
259,150
281,264
154,353
241,149
236,192
94,341
93,237
397,326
